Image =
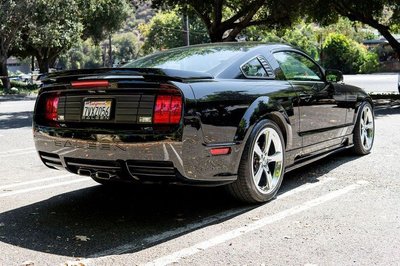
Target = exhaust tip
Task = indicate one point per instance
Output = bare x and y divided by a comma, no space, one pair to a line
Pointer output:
85,172
103,175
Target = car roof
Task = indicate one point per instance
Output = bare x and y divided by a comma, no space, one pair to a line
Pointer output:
251,45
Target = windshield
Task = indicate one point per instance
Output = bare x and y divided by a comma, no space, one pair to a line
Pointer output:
195,58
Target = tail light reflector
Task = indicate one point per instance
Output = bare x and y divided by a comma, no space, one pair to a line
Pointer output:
168,109
220,151
51,107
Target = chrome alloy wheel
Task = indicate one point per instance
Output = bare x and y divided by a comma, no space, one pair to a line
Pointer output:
267,160
367,128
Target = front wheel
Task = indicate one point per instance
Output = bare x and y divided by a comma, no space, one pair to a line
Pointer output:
262,165
364,130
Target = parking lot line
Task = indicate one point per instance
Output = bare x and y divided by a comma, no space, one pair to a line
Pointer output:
189,251
22,191
177,155
19,184
194,226
304,188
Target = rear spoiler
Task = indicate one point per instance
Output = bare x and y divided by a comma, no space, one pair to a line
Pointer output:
122,73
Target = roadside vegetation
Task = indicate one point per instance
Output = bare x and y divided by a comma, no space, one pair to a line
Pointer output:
76,34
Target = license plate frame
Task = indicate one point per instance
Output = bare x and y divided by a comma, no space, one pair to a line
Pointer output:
97,109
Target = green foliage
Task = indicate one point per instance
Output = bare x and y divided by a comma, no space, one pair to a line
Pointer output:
224,20
126,47
164,31
101,18
303,36
87,54
52,29
13,14
353,30
383,15
82,55
55,25
342,53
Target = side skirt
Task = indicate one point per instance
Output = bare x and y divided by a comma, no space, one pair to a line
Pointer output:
309,160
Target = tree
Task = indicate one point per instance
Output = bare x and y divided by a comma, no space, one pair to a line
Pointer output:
100,18
13,15
164,31
53,28
83,54
126,46
383,15
340,52
57,24
225,19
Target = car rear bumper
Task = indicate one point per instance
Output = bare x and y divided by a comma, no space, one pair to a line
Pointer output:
130,157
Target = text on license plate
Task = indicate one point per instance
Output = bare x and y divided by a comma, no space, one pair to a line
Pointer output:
97,110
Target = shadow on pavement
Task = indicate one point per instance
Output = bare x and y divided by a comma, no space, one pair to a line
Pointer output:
113,217
390,110
16,120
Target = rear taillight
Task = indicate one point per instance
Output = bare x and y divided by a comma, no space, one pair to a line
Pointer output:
168,109
51,107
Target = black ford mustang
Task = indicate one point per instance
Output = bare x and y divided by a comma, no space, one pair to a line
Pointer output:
239,115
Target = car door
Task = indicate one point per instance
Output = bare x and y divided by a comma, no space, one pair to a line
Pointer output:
322,117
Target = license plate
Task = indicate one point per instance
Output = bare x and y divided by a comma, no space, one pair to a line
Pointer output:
96,110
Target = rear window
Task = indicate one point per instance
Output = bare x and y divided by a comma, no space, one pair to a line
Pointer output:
195,58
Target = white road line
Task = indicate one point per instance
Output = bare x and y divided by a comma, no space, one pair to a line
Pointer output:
304,188
16,150
166,155
177,155
22,191
194,226
35,181
178,255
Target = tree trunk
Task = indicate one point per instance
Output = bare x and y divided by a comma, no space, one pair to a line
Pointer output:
44,64
215,34
4,74
391,39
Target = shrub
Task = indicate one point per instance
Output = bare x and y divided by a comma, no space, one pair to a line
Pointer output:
342,53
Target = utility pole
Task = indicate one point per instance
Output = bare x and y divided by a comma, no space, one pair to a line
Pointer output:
186,29
110,64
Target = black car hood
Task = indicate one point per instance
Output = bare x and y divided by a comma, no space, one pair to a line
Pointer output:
125,73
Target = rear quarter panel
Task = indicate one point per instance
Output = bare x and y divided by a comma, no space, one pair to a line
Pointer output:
228,109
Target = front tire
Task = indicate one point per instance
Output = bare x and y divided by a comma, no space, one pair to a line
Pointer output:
364,130
262,166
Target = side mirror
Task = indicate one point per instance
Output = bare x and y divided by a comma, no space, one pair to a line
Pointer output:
333,75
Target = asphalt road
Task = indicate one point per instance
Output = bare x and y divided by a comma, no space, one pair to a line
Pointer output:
343,210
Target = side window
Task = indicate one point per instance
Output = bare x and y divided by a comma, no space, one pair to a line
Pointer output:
296,66
254,69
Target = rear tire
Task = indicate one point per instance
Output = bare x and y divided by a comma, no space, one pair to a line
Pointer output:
262,166
364,130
